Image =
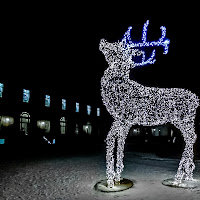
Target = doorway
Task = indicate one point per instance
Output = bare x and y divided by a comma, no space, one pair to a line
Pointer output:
25,122
63,125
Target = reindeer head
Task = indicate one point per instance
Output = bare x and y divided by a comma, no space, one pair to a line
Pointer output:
112,51
123,52
116,54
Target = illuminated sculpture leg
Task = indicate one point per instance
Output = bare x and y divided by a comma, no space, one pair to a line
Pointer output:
184,176
118,131
110,144
120,152
120,156
186,165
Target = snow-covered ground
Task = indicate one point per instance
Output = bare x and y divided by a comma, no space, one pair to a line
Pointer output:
73,177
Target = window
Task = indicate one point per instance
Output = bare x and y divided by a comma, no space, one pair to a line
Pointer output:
62,125
77,107
47,126
134,131
44,125
1,90
76,129
63,104
155,131
98,112
2,141
26,95
87,128
24,122
47,100
6,120
88,109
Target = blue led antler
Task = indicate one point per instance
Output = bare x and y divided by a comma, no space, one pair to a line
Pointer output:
163,41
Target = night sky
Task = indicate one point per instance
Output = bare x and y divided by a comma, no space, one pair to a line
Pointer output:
58,49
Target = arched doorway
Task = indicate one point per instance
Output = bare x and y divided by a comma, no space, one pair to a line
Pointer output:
63,125
87,128
25,122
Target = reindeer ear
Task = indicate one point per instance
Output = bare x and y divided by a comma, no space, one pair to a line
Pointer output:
102,44
102,41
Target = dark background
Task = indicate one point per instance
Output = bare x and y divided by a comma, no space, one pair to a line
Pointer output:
57,46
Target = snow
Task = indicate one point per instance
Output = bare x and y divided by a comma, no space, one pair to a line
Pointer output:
73,176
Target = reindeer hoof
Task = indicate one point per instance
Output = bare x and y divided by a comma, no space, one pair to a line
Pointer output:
110,183
189,179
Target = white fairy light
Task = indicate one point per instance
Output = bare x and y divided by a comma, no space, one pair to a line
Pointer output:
131,103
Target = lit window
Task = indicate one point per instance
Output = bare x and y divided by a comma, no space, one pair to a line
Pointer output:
88,109
26,95
98,112
62,125
1,90
47,100
76,129
2,141
44,125
87,128
77,107
134,131
25,122
63,104
6,120
155,131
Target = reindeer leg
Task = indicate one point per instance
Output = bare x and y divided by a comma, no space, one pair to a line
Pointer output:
180,173
120,152
186,165
120,156
189,165
110,144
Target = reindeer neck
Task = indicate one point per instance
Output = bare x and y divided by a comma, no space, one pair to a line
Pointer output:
111,74
115,75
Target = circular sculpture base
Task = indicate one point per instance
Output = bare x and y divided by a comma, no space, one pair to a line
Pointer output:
183,184
124,185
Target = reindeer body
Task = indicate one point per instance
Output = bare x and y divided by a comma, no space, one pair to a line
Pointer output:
131,103
147,104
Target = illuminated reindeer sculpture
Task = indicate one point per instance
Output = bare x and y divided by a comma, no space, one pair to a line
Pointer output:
131,103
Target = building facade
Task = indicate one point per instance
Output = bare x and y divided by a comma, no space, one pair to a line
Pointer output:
39,116
43,117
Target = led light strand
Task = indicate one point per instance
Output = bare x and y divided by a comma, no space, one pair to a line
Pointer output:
161,42
131,103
